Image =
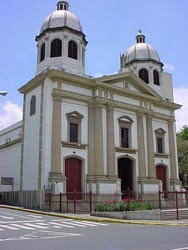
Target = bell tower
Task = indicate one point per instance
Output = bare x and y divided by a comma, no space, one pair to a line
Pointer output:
61,42
143,60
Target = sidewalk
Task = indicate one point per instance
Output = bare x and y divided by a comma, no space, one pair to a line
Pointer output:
87,217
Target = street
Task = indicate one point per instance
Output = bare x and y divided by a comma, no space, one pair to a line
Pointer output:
26,231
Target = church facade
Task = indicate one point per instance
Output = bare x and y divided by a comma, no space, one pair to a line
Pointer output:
85,134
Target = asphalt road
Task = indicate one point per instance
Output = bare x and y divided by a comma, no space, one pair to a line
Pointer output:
25,231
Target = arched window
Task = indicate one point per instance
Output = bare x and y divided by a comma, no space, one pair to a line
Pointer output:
56,47
33,105
156,77
143,74
72,50
42,52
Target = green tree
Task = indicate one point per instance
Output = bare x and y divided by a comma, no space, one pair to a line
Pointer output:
183,134
182,147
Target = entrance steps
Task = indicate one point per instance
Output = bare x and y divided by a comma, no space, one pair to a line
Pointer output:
171,214
80,207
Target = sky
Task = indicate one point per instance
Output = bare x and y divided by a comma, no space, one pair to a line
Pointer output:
110,27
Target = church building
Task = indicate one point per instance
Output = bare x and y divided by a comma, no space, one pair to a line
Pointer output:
88,134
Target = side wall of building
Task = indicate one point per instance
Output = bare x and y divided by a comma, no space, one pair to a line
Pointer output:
10,153
31,142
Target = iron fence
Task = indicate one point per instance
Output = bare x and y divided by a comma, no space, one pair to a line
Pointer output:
33,199
79,202
173,205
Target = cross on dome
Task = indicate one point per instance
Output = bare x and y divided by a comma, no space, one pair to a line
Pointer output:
62,5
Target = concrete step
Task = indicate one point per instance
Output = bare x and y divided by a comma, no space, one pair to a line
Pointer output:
172,215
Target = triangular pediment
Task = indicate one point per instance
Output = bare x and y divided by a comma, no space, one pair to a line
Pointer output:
75,114
129,82
160,131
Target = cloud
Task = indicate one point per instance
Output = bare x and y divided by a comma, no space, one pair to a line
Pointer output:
169,67
10,113
181,96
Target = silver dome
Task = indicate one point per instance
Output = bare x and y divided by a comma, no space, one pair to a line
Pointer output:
61,18
142,51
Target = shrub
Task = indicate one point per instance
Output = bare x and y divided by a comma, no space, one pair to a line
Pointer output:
141,206
124,206
110,207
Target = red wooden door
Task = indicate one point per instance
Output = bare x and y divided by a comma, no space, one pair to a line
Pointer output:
161,175
73,174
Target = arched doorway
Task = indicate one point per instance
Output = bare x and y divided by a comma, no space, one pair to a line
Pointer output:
161,175
73,175
125,173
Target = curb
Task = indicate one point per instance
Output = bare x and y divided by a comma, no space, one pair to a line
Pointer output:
94,219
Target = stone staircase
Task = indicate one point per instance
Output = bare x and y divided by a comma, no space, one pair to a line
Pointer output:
171,214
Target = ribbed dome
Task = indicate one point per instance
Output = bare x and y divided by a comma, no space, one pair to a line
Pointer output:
61,18
142,50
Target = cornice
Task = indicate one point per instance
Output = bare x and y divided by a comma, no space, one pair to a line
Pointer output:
161,155
67,94
4,133
92,101
161,116
8,144
59,76
145,60
56,75
98,84
167,104
64,28
125,150
73,145
33,83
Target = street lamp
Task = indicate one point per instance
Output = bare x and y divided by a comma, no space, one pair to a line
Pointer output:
3,93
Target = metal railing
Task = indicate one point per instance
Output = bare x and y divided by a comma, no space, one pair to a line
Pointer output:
173,205
71,202
33,199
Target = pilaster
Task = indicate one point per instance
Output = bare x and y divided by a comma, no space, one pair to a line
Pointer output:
141,145
98,141
22,144
110,142
91,140
56,175
47,48
150,147
172,145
